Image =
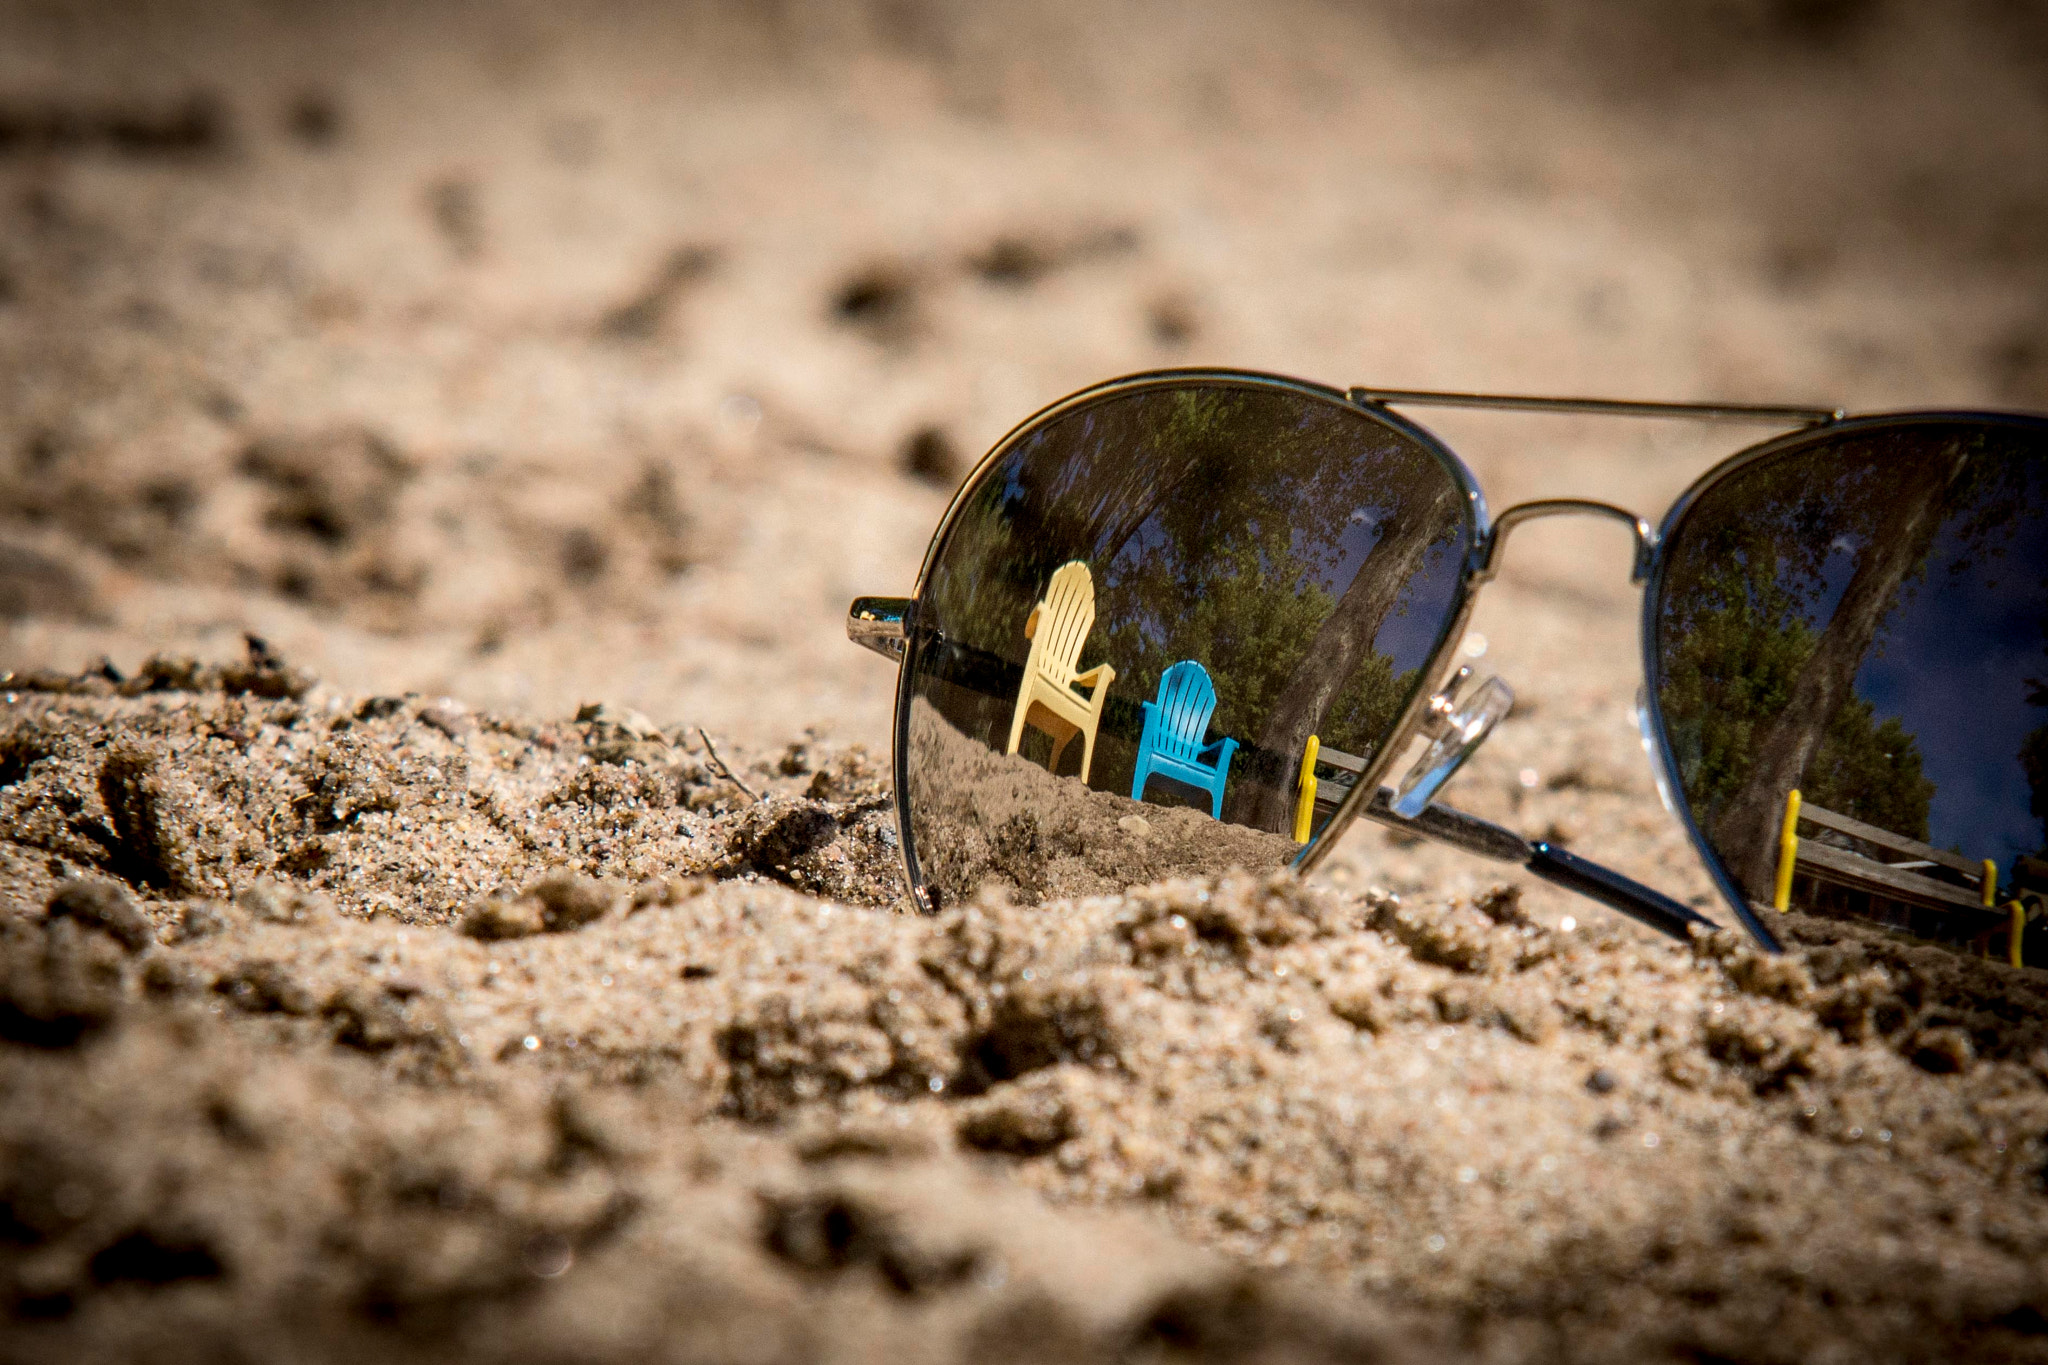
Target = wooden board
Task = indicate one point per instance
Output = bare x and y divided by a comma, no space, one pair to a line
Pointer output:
1846,869
1337,758
1885,839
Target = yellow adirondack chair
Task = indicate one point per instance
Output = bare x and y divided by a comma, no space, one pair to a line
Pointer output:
1047,699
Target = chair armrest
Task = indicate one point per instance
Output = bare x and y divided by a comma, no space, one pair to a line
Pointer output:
1097,678
1214,754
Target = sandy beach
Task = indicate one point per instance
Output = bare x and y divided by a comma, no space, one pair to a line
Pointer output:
449,891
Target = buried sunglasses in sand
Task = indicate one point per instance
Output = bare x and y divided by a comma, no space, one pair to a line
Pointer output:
1241,594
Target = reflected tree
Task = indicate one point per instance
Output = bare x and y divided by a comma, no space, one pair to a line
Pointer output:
1775,604
1895,529
2033,758
1733,667
1342,648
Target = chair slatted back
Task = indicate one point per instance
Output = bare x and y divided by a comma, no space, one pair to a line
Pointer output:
1186,701
1069,616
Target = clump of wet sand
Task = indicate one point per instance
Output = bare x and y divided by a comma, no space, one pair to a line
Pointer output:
552,1048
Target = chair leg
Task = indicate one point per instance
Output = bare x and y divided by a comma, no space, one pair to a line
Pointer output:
1059,751
1017,717
1216,801
1143,771
1087,752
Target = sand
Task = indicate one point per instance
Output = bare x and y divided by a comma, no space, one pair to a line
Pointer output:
497,367
472,1079
987,821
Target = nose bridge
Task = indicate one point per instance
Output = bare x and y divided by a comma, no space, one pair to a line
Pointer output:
1507,521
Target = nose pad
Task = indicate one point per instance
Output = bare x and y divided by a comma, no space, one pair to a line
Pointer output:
1456,730
1653,749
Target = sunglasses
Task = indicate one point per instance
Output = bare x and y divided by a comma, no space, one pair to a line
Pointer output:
1242,595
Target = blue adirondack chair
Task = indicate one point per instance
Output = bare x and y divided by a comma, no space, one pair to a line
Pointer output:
1171,745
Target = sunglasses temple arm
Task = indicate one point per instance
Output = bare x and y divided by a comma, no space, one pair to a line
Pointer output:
1616,892
1450,826
1447,825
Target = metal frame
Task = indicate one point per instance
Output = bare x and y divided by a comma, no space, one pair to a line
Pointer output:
1599,407
1646,538
887,625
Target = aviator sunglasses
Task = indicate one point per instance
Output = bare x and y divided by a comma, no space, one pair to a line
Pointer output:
1192,620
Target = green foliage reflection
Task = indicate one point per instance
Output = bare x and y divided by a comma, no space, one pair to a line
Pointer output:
1741,638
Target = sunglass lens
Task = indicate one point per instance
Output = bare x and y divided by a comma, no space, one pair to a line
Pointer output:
1851,656
1163,629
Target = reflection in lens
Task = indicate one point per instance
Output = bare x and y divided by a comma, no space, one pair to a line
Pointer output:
1863,620
1146,611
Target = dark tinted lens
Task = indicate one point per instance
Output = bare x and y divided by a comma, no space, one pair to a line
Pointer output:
1861,619
1143,609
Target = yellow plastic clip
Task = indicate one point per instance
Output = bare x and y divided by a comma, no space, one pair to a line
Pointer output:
1305,804
1788,853
2019,931
1990,883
